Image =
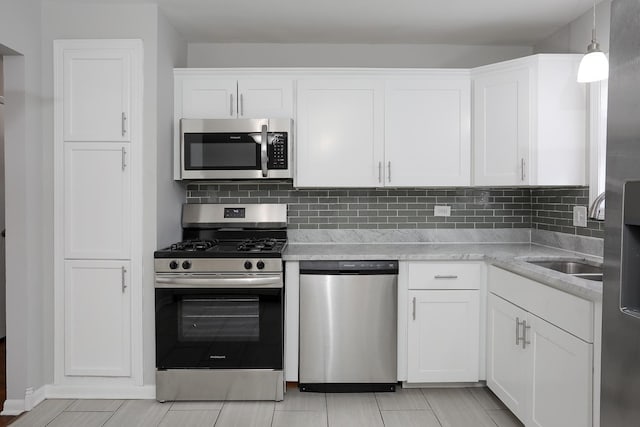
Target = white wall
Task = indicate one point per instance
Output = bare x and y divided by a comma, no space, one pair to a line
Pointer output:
20,33
348,55
124,21
576,36
172,52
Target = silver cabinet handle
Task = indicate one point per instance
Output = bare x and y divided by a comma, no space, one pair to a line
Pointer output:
123,123
124,158
241,105
389,167
518,330
124,281
522,164
379,171
445,276
525,341
263,150
231,105
414,308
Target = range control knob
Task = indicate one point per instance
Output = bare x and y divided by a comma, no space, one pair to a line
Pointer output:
248,265
186,264
173,265
260,265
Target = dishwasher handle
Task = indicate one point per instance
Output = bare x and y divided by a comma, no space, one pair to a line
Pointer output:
367,267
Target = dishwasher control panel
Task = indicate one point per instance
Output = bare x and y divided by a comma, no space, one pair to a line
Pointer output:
349,267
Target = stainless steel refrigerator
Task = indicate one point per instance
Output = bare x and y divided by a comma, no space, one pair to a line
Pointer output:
620,398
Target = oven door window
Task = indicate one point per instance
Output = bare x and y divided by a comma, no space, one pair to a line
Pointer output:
219,328
224,318
221,151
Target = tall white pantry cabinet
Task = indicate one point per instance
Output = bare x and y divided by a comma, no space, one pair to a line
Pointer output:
98,262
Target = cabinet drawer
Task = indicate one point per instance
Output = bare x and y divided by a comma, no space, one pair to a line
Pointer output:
566,311
444,275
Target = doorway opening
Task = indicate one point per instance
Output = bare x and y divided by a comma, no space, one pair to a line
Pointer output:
3,293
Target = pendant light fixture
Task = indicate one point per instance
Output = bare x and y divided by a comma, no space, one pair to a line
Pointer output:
594,65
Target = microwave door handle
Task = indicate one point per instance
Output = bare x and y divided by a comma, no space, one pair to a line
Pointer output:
263,150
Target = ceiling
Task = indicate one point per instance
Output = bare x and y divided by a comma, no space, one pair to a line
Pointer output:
476,22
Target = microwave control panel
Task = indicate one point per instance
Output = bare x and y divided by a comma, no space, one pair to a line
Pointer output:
277,152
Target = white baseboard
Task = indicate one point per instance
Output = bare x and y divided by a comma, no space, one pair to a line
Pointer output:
100,392
13,407
32,398
18,406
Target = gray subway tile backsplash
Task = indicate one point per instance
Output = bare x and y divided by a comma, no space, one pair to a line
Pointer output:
410,208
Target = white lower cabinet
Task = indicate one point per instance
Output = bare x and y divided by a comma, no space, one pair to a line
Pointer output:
97,322
506,375
542,373
443,336
443,321
561,385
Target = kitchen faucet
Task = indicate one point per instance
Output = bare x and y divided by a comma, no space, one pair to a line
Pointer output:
596,211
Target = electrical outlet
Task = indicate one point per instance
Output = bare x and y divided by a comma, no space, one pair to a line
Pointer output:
442,211
579,216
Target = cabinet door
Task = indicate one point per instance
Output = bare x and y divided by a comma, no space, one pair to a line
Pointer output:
209,98
340,133
443,354
562,377
501,127
97,201
97,318
97,94
265,98
507,364
428,132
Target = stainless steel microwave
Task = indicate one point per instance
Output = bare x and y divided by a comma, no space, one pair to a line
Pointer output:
236,148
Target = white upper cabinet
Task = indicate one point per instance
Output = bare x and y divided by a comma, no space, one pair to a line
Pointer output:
340,133
427,132
260,98
208,98
97,201
97,86
529,122
391,130
210,95
501,127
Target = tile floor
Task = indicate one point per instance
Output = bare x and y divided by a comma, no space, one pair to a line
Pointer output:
441,407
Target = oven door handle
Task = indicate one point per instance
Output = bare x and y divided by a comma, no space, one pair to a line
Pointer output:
219,282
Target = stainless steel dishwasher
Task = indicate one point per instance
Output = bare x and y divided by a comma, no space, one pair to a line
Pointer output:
348,326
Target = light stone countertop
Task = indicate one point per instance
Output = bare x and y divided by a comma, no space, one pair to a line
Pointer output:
509,256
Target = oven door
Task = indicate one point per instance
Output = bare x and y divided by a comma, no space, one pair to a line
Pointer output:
223,328
233,149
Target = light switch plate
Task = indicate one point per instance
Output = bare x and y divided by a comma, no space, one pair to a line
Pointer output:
442,211
579,216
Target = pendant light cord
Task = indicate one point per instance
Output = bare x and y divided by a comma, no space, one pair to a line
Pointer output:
593,30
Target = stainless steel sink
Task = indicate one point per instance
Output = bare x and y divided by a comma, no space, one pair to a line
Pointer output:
579,269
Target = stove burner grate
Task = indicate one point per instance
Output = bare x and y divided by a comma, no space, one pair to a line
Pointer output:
257,245
194,245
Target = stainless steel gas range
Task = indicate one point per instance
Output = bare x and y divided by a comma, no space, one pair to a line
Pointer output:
219,305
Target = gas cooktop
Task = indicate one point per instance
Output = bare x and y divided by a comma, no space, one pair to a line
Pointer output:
216,248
